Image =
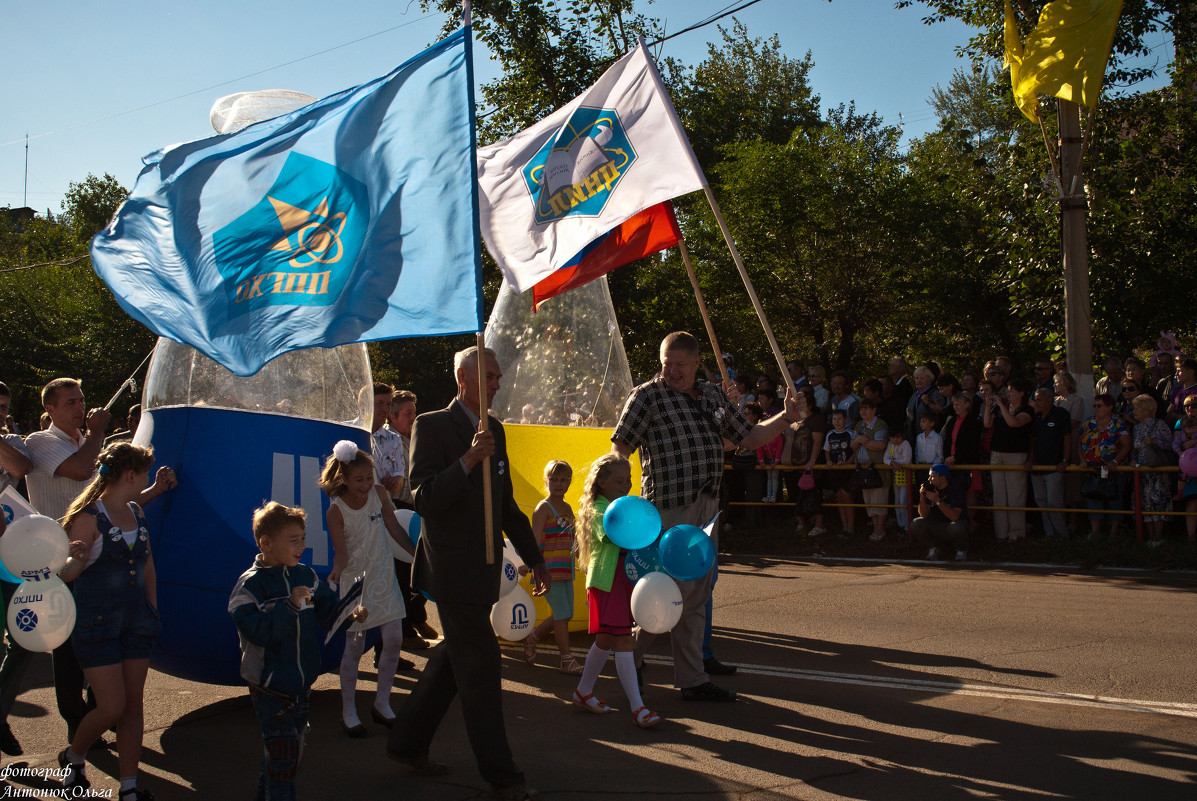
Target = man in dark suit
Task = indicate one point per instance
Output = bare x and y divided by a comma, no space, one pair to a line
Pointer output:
447,452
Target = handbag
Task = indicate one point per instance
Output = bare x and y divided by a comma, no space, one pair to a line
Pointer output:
1159,456
807,481
1096,488
866,477
744,461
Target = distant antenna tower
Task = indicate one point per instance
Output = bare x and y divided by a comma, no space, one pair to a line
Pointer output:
25,200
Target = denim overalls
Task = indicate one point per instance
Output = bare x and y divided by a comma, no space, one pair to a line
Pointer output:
114,618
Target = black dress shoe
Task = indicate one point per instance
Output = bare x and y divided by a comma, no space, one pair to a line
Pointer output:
716,668
426,631
8,741
416,644
356,732
377,717
707,692
405,664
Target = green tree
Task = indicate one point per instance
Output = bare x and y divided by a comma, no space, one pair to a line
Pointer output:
90,204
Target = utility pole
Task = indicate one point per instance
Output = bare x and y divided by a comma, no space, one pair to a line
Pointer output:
1074,246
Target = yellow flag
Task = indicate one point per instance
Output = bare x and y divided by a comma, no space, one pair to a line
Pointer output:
1027,101
1065,56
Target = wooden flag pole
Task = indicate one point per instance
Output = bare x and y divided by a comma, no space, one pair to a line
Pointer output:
702,306
760,312
483,425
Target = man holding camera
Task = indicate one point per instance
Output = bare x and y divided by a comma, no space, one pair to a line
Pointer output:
943,514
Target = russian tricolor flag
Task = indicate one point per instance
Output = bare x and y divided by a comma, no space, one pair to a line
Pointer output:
648,232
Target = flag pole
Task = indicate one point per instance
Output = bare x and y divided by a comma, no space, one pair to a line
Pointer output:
760,311
702,306
483,403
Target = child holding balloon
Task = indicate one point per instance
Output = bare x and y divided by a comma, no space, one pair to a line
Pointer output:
116,601
553,525
359,519
608,591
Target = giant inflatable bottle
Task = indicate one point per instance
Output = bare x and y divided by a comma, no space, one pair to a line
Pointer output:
236,443
565,380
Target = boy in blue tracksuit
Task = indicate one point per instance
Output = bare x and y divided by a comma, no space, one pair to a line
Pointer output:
277,605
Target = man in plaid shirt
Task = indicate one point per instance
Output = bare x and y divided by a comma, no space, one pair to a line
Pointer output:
679,424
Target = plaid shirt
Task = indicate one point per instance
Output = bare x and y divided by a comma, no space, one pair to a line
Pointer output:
680,439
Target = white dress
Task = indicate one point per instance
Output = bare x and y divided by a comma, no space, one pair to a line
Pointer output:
369,553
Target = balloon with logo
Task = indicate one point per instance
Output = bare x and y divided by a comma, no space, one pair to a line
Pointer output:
640,562
656,603
409,522
509,578
41,614
1188,462
687,553
34,547
631,522
514,616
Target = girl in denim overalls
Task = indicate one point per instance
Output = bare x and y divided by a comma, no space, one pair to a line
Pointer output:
116,598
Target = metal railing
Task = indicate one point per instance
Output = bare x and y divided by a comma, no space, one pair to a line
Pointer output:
914,470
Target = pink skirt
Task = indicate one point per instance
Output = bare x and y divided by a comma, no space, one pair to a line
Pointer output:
611,612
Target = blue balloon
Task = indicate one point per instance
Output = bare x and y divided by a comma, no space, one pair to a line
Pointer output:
6,575
631,522
687,553
640,562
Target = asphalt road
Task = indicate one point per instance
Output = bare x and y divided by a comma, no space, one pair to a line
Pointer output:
863,681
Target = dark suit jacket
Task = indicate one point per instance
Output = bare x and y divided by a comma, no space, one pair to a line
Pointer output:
968,443
450,562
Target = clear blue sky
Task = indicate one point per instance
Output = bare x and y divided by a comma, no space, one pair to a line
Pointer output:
97,86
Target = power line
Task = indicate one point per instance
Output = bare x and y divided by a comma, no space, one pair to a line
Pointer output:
223,83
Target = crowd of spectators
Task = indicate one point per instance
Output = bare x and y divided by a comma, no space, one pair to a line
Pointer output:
1041,448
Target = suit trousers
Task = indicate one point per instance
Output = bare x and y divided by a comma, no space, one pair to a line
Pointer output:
686,637
465,663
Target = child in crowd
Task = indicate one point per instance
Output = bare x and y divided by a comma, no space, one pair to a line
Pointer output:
1186,437
838,447
768,454
277,605
608,591
116,619
359,519
897,453
553,525
928,448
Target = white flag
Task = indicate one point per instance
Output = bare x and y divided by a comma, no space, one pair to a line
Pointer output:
611,153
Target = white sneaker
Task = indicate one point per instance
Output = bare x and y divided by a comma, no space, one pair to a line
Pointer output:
961,556
817,531
933,554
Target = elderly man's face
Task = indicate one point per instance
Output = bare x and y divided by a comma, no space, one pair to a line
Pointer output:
467,378
678,368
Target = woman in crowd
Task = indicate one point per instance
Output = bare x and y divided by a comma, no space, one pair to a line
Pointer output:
926,398
1104,441
803,448
1010,418
1155,488
962,445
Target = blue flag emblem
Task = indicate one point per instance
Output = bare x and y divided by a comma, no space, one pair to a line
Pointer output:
352,219
298,245
575,171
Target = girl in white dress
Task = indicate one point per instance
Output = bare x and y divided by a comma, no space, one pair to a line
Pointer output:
359,519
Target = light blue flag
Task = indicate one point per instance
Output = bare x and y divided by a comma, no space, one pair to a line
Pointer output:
350,220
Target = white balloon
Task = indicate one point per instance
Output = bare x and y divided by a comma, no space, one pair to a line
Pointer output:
41,614
34,547
509,552
514,616
404,518
510,577
656,603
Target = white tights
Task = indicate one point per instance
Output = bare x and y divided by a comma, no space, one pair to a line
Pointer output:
355,644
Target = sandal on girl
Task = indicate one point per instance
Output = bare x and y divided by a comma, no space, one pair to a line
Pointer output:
530,647
591,704
570,666
645,718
